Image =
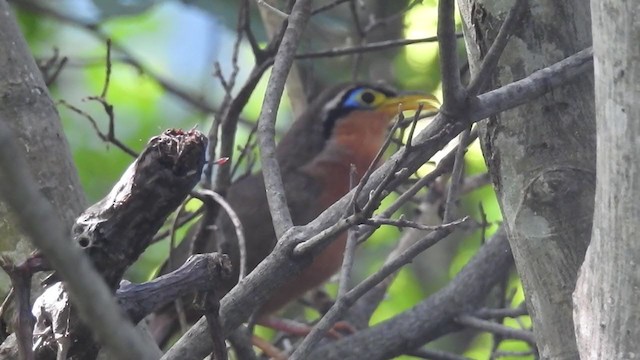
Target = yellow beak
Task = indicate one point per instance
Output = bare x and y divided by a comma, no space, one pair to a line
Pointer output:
394,105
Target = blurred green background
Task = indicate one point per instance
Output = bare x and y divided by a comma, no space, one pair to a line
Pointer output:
179,42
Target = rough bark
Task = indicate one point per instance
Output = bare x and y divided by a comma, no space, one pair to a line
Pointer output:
542,160
27,108
116,230
606,310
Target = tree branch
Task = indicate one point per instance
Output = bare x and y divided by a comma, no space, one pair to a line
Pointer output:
431,318
37,218
237,306
266,122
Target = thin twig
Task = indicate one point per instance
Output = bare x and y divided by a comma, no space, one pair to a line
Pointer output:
354,294
400,223
456,177
182,317
104,137
350,248
204,194
373,165
489,326
110,136
374,46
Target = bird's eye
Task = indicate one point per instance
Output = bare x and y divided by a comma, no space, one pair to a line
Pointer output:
367,97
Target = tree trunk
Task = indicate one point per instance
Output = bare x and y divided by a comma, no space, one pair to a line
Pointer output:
541,157
606,310
26,107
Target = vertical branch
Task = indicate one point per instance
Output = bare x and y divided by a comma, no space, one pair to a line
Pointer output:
456,177
266,122
452,90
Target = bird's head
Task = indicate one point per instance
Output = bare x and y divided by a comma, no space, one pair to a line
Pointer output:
353,110
373,101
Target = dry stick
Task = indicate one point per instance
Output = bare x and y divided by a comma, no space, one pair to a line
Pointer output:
442,167
228,87
266,122
374,46
490,61
489,326
237,224
99,33
182,317
179,223
372,299
456,178
110,136
376,159
47,233
453,93
400,223
433,317
350,248
354,294
246,151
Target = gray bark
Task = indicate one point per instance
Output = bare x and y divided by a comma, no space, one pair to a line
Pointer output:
606,310
542,160
27,109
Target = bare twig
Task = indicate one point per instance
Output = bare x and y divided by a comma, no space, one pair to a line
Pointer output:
456,177
343,303
400,223
110,136
350,248
204,195
374,46
104,137
492,327
374,164
182,317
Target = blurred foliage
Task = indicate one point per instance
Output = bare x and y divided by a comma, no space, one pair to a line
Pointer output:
181,42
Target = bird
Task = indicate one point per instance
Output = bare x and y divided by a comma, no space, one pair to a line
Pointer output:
344,126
